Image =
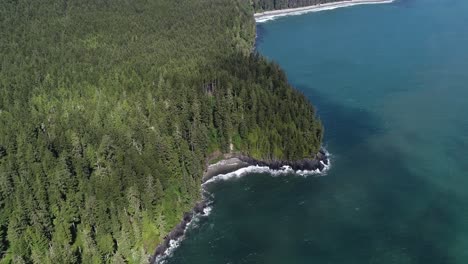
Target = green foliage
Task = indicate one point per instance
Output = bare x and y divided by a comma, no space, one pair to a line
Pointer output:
108,111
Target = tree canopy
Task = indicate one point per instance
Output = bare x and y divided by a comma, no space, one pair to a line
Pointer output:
109,109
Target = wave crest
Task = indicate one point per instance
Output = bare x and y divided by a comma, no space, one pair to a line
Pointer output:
272,15
265,169
209,197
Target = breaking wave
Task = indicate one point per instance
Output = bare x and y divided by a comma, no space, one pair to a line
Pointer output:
285,170
272,15
175,243
209,197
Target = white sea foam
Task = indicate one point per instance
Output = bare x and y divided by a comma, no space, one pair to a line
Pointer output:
271,15
207,210
264,169
175,243
194,223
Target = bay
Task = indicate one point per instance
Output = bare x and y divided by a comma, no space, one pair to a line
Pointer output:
390,83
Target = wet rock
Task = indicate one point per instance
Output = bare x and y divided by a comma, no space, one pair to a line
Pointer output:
305,164
321,166
325,161
160,250
318,162
188,216
320,156
198,208
322,151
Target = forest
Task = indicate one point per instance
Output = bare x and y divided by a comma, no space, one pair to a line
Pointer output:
109,110
266,5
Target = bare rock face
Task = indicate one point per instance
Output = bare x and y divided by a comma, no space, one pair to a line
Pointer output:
179,230
198,208
318,162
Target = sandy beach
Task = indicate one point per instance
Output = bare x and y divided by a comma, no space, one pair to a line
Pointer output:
270,15
230,166
224,166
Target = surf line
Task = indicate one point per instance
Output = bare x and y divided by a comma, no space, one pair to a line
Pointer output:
271,15
231,167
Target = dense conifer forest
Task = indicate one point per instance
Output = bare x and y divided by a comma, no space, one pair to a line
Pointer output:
109,110
265,5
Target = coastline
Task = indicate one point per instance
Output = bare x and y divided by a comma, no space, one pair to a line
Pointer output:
236,165
271,15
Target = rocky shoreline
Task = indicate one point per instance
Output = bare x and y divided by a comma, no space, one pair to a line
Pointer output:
231,163
317,163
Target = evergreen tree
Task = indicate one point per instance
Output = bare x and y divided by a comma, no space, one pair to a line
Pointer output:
109,111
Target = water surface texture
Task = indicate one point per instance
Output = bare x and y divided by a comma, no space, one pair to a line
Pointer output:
390,83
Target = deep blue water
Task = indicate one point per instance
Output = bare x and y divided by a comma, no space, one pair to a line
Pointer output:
390,83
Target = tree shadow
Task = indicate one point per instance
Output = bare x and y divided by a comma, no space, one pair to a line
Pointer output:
344,126
261,33
392,216
410,218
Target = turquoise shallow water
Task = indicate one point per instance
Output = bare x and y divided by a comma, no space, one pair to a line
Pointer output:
390,83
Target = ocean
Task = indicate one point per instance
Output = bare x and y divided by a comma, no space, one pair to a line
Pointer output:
390,83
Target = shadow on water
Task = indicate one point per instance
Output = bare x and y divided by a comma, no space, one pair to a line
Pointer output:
410,218
406,222
261,33
410,215
386,215
344,126
371,209
374,207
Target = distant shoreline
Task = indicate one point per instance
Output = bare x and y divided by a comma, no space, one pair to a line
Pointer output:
270,15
